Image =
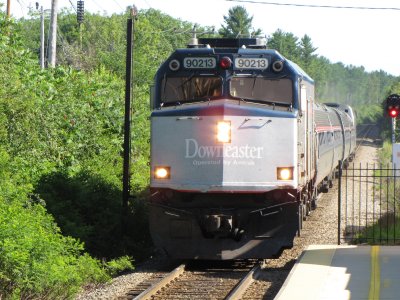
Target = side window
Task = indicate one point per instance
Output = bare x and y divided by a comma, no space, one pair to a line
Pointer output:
303,98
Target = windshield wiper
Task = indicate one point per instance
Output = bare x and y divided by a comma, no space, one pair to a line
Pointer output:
254,84
186,81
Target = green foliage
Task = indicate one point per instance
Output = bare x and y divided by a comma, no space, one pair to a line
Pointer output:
385,154
41,113
54,121
238,23
36,261
286,43
385,231
394,88
101,41
369,114
306,51
87,206
116,266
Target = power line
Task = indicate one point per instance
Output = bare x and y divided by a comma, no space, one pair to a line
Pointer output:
314,5
118,4
22,5
73,6
99,6
147,4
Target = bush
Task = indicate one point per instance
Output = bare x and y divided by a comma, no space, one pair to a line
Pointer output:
51,121
89,207
118,265
36,260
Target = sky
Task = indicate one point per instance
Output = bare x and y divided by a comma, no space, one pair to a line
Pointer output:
358,37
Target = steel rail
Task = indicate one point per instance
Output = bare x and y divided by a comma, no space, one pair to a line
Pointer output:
154,289
239,290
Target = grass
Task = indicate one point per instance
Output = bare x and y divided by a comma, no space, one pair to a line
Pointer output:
386,231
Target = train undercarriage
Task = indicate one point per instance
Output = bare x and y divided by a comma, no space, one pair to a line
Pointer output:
223,225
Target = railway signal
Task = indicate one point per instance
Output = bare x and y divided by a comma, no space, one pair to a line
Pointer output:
393,109
393,105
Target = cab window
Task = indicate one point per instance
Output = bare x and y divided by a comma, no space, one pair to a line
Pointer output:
190,88
262,89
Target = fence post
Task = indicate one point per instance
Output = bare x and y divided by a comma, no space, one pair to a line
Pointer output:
339,199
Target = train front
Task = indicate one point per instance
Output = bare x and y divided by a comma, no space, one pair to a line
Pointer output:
223,152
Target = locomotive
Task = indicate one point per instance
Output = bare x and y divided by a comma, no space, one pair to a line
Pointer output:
239,150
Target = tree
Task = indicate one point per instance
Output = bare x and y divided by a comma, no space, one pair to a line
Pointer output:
286,43
238,23
306,50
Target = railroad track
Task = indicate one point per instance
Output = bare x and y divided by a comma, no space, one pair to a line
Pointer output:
201,280
146,286
365,132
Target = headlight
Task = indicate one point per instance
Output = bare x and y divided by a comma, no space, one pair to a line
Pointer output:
162,172
224,131
284,173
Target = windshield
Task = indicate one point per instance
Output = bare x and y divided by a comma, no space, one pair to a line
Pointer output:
189,88
262,89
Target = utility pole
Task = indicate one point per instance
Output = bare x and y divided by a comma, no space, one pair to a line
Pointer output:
53,34
8,8
41,38
126,188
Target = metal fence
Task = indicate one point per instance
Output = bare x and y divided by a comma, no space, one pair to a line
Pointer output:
369,204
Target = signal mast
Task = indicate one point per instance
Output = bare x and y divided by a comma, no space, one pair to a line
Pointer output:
393,110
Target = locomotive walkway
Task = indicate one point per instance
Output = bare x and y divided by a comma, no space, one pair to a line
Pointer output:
344,272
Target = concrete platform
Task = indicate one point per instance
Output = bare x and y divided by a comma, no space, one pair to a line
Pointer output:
344,272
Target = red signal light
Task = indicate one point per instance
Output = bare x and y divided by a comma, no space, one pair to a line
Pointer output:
393,112
225,62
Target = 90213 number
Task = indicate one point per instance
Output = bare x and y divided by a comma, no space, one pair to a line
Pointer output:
251,63
199,62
